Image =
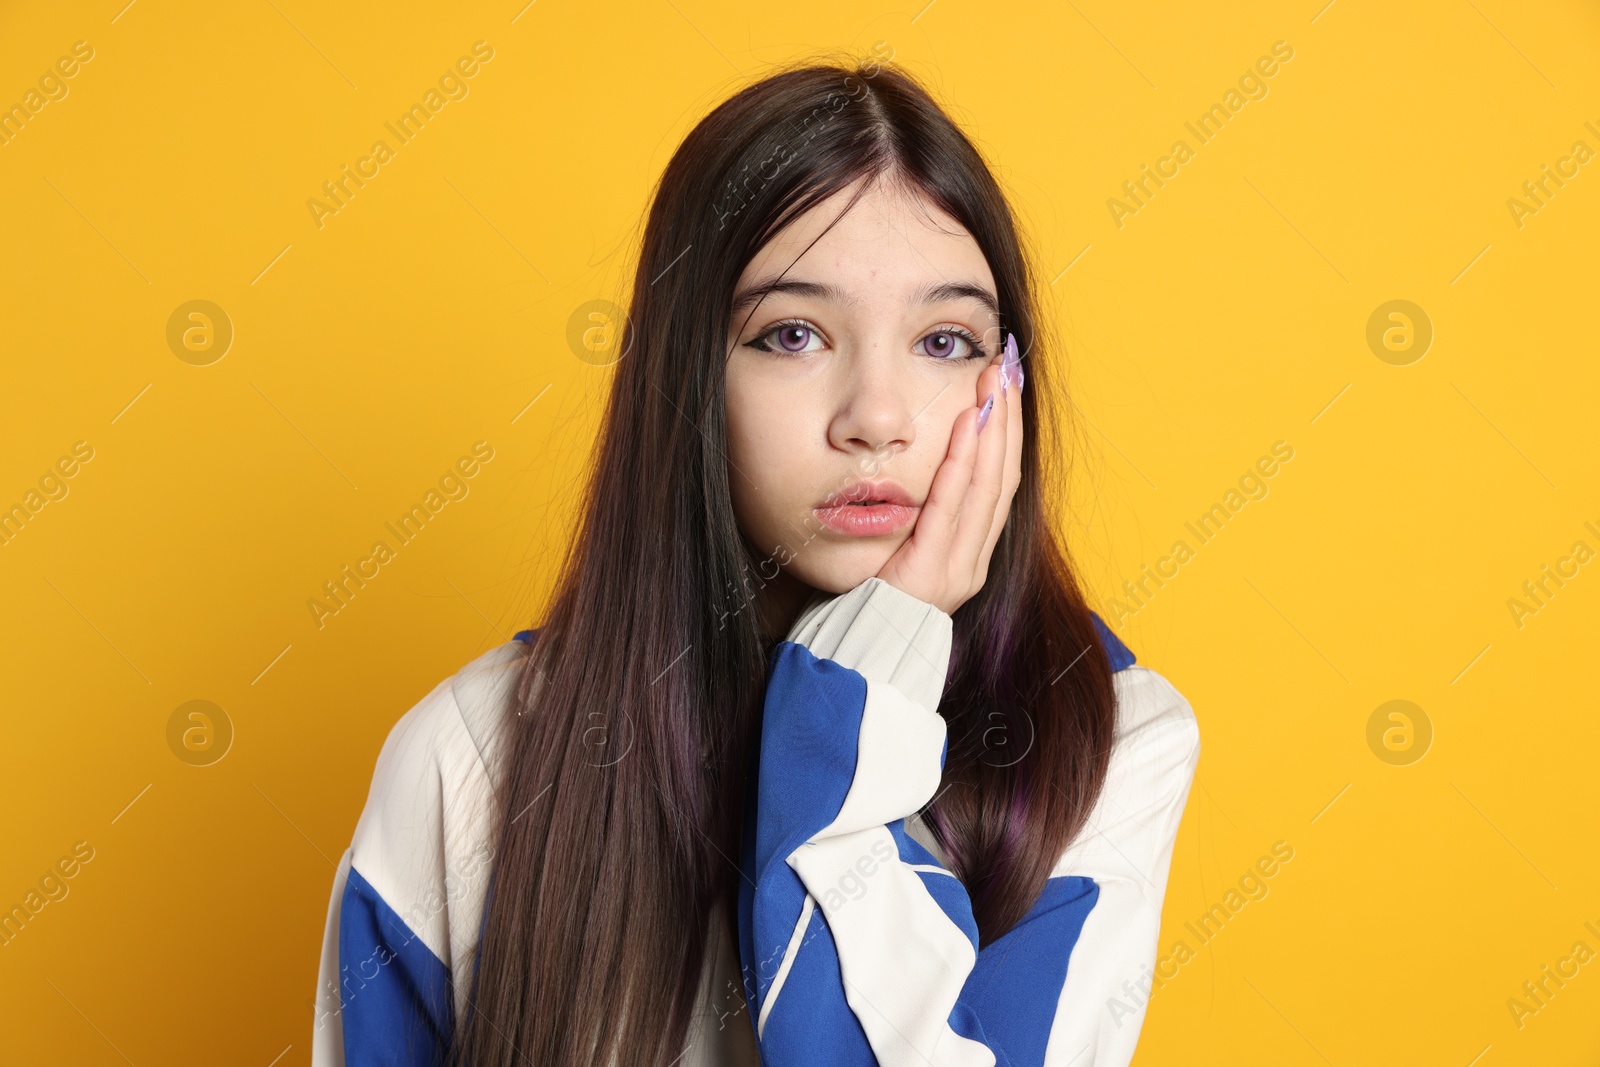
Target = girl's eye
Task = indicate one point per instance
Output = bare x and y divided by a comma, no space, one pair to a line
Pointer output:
796,338
793,338
950,344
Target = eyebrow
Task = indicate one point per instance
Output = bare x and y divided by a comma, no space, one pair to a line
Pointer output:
930,294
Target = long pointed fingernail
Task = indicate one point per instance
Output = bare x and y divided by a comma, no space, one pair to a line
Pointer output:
1011,365
983,415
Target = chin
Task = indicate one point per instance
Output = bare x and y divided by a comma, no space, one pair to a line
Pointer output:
839,568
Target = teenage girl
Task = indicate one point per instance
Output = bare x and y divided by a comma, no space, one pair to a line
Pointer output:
819,756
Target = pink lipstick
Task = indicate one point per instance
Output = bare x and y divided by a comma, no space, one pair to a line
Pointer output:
868,509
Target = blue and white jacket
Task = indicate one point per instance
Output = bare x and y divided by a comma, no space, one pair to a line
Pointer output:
856,945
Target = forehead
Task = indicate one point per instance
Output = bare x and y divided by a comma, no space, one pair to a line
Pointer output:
892,243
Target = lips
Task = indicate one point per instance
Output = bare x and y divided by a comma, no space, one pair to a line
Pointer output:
868,509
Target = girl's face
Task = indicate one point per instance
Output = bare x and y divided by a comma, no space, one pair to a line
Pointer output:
845,378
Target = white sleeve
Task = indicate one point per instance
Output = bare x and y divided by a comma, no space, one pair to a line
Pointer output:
408,895
1126,847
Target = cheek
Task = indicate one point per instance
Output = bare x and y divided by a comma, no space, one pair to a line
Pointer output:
744,419
934,427
765,457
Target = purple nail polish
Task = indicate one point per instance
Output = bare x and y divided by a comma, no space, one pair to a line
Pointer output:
983,415
1011,365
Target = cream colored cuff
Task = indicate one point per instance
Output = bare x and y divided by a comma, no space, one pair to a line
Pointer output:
886,635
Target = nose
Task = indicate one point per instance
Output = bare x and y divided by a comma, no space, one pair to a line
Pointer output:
876,412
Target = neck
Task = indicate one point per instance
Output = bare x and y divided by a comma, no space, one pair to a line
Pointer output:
779,603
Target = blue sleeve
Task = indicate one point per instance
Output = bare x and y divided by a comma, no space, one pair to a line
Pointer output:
857,945
785,944
395,994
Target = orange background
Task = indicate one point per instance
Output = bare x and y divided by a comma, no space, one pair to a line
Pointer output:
431,312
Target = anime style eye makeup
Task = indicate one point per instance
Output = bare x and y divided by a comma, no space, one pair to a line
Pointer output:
947,344
790,336
953,344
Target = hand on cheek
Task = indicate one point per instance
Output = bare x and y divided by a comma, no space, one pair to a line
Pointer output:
946,558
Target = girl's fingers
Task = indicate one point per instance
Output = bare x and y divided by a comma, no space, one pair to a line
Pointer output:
946,559
1012,474
978,510
941,512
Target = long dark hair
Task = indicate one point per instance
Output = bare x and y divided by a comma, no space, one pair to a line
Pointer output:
620,816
